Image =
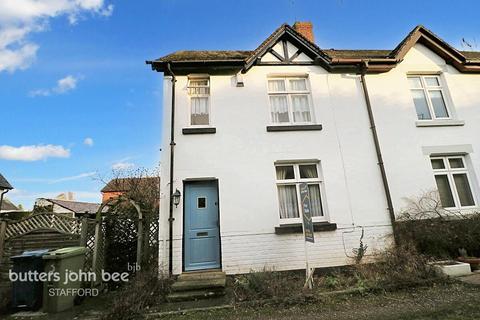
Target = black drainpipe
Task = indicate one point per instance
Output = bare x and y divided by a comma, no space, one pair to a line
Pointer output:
377,148
172,156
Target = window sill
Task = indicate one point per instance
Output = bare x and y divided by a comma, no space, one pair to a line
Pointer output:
202,130
305,127
439,123
297,227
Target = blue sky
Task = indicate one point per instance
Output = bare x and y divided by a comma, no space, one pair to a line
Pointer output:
77,100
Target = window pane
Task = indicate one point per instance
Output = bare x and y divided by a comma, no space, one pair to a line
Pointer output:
276,85
315,200
438,104
421,105
432,82
300,108
279,108
438,164
199,86
199,110
456,163
415,83
445,191
287,196
201,203
308,171
285,172
298,85
463,189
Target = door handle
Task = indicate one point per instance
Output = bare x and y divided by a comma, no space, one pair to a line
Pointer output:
202,234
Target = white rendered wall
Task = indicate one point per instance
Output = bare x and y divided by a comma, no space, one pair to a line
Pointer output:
403,144
241,155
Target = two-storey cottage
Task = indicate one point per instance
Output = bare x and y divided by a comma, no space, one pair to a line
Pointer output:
363,128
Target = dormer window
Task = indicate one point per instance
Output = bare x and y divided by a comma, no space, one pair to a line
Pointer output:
428,97
290,100
199,93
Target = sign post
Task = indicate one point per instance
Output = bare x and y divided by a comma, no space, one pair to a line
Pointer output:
307,224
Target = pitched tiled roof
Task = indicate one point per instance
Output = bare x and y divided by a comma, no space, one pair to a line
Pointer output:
204,55
4,184
125,184
76,206
7,205
465,60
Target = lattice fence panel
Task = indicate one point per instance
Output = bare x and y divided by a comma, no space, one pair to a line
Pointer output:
43,221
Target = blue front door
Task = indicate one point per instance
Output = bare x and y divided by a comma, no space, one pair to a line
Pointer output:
202,236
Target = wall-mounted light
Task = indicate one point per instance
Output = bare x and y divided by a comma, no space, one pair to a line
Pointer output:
176,197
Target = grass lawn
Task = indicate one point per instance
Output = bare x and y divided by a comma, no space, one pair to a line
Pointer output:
443,301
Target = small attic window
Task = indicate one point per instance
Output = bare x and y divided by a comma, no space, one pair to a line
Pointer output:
199,92
198,86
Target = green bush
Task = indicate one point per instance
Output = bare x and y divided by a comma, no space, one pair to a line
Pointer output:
442,238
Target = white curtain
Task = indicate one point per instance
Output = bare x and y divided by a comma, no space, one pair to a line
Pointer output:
287,195
300,108
315,200
276,85
298,85
199,110
279,108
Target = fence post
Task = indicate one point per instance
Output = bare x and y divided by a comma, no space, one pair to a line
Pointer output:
3,229
139,241
98,231
83,232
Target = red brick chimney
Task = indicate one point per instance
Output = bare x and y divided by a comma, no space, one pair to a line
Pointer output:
305,28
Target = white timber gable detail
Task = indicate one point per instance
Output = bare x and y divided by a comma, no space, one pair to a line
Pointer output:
285,52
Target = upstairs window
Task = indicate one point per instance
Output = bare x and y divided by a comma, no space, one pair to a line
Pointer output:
290,100
199,92
428,96
289,177
453,182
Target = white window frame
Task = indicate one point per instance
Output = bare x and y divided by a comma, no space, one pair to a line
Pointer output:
449,172
296,181
199,95
426,90
289,93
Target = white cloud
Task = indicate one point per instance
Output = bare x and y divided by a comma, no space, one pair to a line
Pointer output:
88,142
33,152
122,165
19,18
57,180
64,85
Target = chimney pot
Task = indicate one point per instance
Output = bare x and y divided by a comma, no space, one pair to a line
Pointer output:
305,28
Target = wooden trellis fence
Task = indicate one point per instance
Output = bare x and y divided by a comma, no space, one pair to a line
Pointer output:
45,230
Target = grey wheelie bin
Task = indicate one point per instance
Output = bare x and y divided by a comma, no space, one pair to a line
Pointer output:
60,295
27,292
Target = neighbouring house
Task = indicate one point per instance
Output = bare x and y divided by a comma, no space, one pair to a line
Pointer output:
8,206
119,186
5,186
65,204
363,128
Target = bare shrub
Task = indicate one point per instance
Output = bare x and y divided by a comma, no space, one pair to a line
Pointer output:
266,285
146,290
398,266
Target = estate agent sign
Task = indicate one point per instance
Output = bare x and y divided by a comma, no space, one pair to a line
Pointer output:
306,213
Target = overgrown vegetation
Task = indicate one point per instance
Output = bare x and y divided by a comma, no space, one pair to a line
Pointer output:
146,290
139,193
267,284
398,267
438,232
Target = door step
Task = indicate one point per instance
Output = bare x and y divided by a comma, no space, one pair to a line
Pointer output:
198,285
